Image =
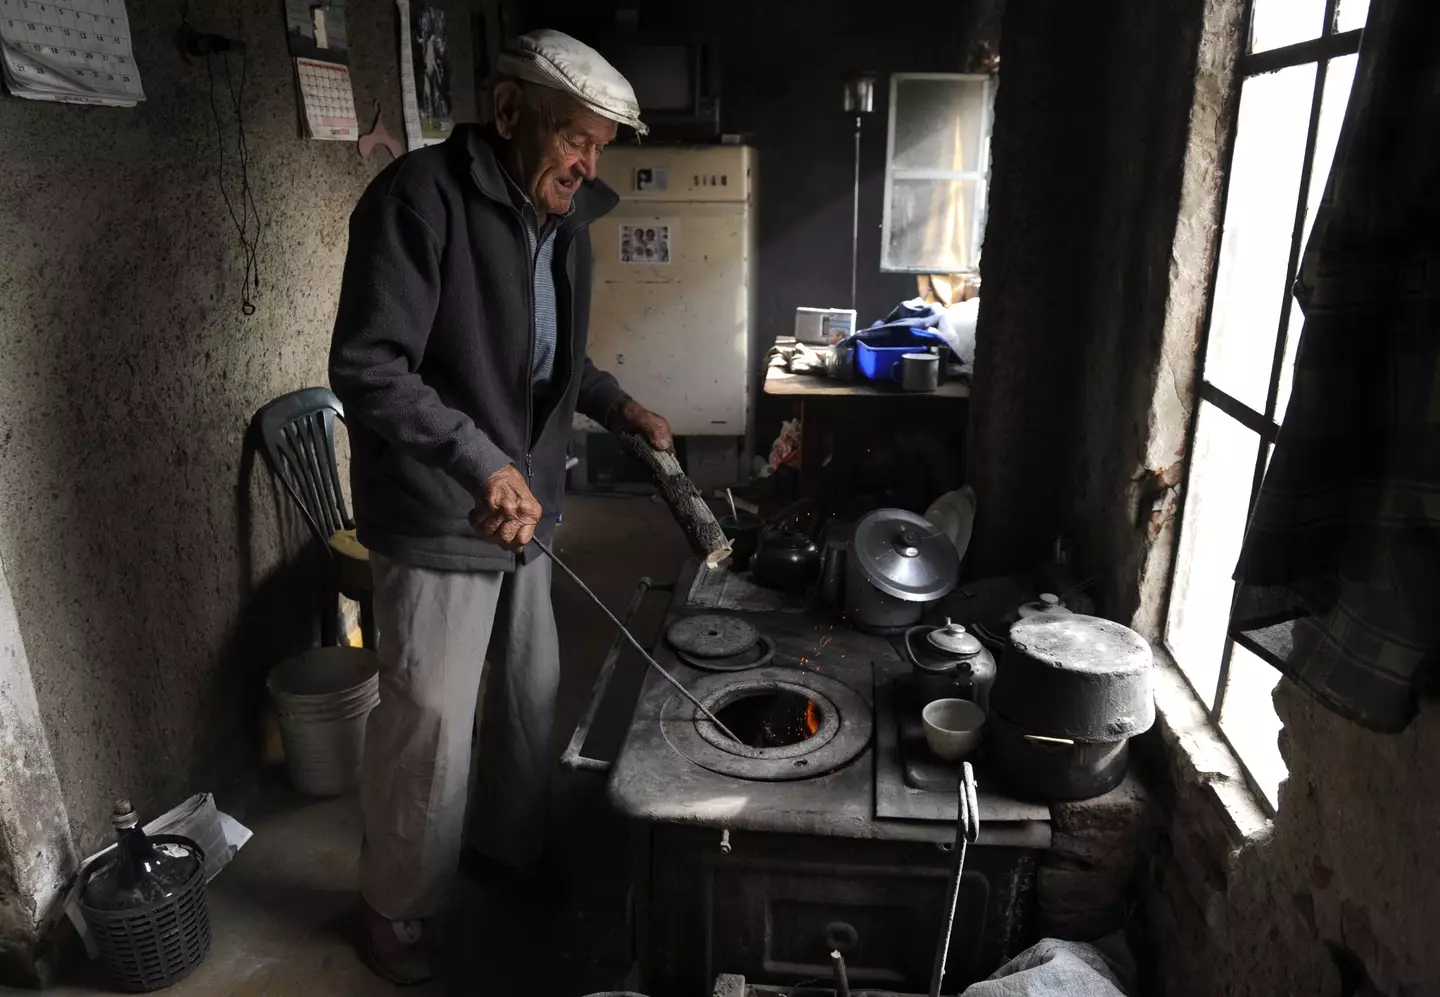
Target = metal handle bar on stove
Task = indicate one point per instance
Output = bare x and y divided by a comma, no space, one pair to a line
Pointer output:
967,831
573,758
625,631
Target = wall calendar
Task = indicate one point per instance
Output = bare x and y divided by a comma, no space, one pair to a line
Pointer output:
76,51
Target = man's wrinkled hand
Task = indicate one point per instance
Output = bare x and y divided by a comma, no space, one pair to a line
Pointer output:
506,512
633,417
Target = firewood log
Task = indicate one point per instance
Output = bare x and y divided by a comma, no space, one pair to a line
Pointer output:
686,504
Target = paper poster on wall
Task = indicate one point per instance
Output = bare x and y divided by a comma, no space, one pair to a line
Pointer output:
429,42
648,243
424,74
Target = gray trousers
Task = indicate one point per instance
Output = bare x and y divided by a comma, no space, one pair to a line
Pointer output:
434,628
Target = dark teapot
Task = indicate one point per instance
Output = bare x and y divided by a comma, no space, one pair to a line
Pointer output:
787,558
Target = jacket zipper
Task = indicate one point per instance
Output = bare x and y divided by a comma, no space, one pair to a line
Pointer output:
530,253
533,255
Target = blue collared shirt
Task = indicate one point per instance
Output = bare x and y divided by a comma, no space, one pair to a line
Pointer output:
541,243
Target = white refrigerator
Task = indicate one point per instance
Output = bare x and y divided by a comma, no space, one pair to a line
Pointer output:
674,286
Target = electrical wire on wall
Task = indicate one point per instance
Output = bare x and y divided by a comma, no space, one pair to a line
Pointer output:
244,215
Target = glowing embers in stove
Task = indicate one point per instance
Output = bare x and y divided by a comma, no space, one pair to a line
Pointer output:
772,717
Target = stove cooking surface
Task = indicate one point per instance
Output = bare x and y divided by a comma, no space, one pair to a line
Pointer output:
657,776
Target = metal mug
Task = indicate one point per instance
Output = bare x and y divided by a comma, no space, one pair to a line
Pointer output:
917,371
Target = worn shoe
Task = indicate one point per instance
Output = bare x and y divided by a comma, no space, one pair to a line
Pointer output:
395,950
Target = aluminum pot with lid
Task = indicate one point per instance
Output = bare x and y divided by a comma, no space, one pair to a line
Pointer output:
897,562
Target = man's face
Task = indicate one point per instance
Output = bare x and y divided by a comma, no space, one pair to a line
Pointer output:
554,142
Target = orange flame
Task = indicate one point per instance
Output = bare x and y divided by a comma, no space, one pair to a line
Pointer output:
812,718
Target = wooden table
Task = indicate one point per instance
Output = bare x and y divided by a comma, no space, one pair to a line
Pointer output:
782,383
822,402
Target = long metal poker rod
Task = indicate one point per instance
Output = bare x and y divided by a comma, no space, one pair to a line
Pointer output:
635,643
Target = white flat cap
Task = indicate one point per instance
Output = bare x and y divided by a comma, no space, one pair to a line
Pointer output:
554,59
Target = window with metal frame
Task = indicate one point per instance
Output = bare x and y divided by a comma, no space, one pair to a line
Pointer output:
937,164
1294,78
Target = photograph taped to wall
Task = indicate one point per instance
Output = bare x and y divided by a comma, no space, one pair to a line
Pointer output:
430,54
648,243
656,178
317,30
74,51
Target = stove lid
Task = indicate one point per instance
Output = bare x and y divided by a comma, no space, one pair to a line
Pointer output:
712,635
905,556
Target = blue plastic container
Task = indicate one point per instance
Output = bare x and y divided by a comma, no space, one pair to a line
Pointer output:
876,358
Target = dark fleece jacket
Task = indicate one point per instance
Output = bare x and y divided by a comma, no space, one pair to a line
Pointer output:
432,347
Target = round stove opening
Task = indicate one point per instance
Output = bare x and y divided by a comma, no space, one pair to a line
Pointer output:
772,718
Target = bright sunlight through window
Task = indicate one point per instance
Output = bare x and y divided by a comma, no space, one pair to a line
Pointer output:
1296,75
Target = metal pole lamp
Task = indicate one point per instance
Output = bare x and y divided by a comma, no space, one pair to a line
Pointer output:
859,101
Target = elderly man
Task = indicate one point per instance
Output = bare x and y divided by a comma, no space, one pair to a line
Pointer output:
459,352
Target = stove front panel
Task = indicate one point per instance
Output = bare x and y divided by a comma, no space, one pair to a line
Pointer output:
775,907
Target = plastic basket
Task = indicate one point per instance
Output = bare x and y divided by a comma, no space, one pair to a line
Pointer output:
148,948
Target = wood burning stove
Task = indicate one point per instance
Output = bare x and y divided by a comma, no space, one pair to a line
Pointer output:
761,858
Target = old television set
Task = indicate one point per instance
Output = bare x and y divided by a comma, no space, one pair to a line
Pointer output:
676,80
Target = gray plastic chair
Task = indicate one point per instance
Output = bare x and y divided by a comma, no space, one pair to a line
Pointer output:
297,433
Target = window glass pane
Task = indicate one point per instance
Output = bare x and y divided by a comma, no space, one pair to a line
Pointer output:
1338,79
1217,500
1255,240
1352,14
930,226
939,124
1276,23
1249,721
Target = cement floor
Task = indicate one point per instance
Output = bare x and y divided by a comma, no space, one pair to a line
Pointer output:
283,913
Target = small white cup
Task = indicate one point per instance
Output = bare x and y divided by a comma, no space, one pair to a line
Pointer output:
953,727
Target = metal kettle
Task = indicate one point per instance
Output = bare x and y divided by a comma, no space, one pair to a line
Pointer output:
787,559
949,662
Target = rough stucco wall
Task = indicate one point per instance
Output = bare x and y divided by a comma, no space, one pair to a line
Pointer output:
142,545
1340,894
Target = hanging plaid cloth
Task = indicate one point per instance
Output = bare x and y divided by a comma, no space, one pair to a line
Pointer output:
1341,561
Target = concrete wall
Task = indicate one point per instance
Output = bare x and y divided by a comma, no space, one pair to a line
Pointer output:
153,579
1111,123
